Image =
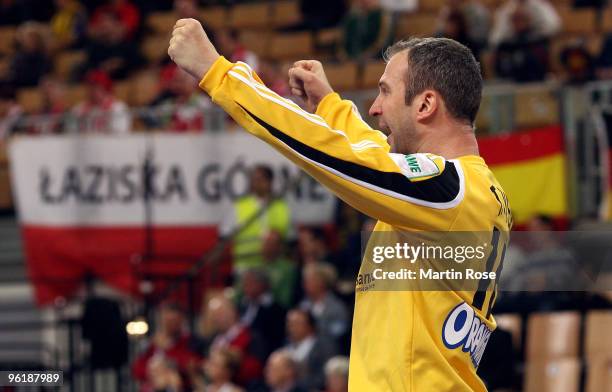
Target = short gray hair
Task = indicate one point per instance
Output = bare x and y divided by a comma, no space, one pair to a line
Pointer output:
445,66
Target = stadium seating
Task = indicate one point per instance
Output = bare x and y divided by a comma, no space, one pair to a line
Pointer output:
371,74
599,375
75,94
342,76
291,46
145,86
432,5
123,90
559,375
416,25
256,40
535,106
285,13
552,336
30,99
214,17
330,38
250,16
597,341
578,21
154,48
161,22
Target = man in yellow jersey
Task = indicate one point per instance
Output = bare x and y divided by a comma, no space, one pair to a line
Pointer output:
426,176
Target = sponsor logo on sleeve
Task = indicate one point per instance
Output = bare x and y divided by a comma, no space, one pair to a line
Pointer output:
416,166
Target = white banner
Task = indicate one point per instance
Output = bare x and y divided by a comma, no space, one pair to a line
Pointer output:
101,180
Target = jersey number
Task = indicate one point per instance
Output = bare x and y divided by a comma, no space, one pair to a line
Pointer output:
481,292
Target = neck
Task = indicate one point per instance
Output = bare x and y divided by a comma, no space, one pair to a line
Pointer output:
451,143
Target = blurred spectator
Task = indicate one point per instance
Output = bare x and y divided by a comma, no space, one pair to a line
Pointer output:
186,9
254,215
312,245
366,29
126,14
69,24
469,20
578,64
454,26
181,107
220,369
168,350
348,223
523,56
110,47
31,60
11,112
330,313
336,374
541,17
397,6
319,14
548,277
309,350
163,376
282,272
51,118
259,311
281,373
231,334
229,45
101,112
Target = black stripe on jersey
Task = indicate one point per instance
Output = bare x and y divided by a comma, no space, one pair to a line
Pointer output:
442,188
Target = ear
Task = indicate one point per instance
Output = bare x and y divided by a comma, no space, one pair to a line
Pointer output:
426,105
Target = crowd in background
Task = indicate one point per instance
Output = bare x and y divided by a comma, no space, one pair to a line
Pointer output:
283,321
515,37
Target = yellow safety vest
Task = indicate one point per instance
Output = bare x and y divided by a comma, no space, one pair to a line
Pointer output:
248,242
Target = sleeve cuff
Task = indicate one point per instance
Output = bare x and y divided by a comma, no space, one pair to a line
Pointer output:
327,104
215,75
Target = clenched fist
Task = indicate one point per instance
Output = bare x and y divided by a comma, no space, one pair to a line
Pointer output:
191,49
307,80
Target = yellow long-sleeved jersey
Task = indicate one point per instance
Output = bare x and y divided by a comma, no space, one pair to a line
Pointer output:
402,340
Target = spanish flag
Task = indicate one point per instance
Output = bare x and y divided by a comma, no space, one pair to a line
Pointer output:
531,167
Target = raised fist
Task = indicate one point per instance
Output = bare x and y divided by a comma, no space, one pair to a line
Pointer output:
307,80
191,49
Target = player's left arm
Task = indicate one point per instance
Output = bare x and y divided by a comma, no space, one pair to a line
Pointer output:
421,192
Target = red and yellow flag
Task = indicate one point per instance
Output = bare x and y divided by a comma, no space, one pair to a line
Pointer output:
531,167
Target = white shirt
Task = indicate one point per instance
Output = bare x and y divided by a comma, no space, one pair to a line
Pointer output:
299,352
544,20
